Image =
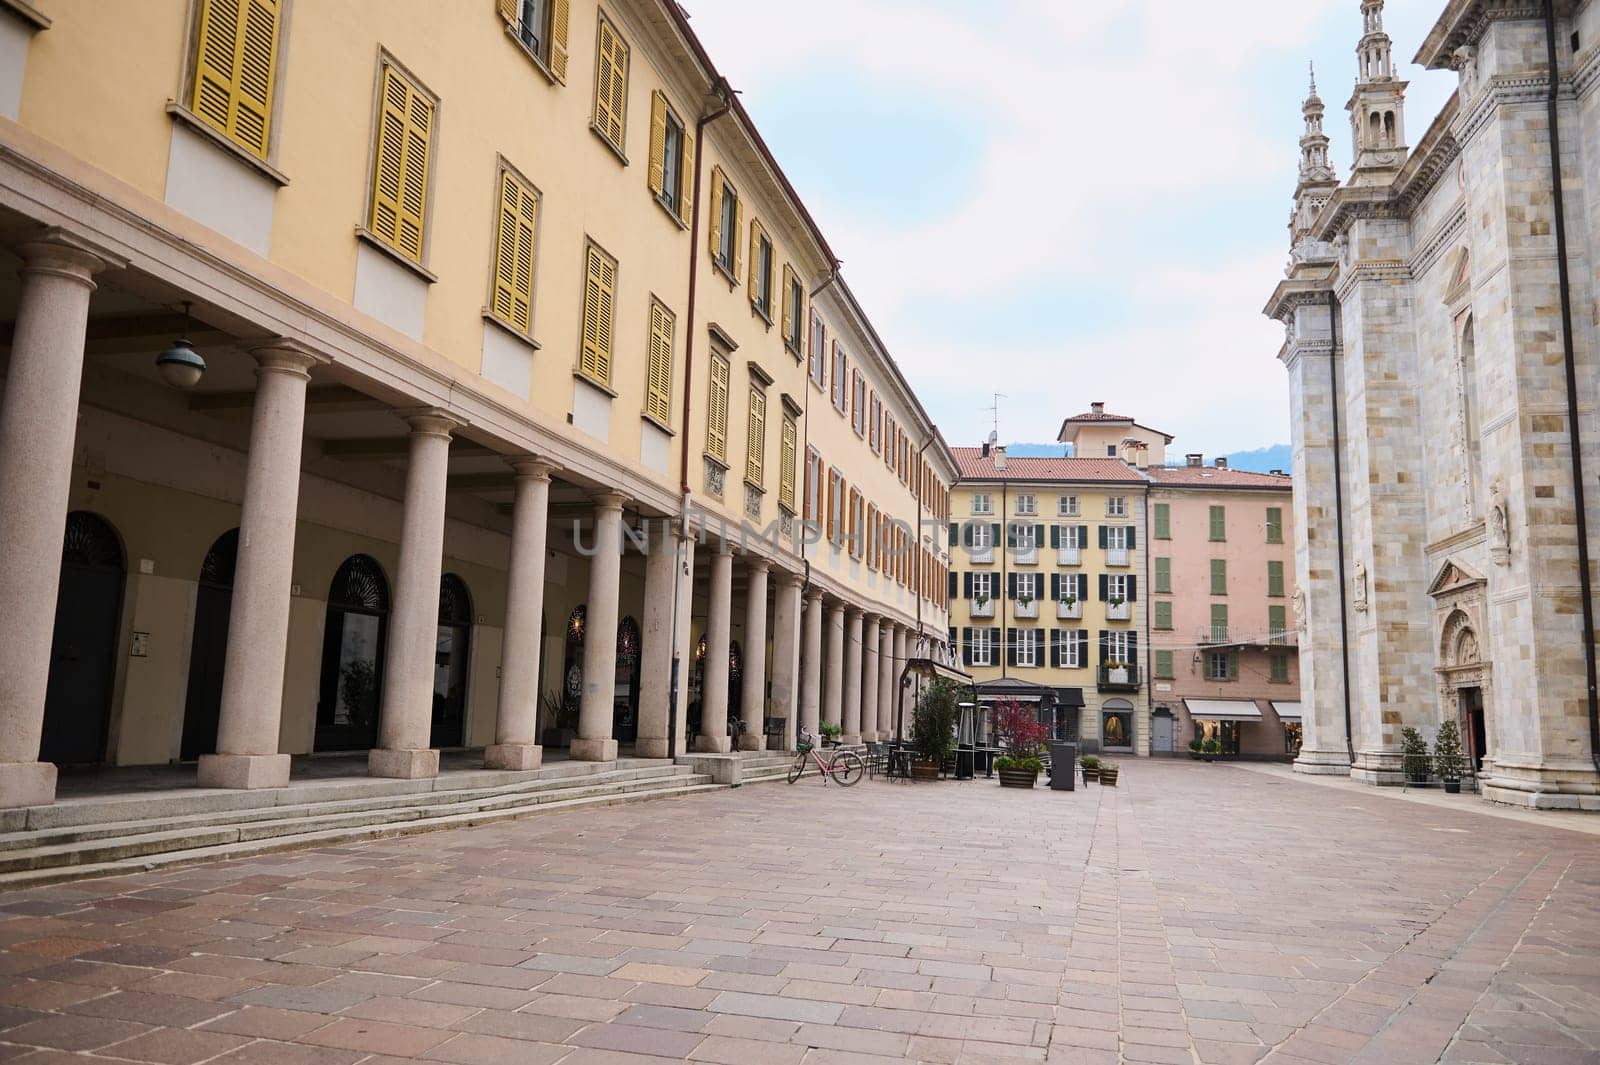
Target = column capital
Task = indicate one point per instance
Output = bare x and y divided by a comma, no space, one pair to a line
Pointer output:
785,578
531,467
65,254
608,500
756,563
283,355
431,421
814,595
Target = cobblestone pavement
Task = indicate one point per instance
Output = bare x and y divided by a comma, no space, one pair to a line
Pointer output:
1196,913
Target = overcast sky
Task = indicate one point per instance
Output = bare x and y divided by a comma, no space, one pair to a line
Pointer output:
1058,200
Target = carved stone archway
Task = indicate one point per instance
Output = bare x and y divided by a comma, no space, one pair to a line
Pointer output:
1461,651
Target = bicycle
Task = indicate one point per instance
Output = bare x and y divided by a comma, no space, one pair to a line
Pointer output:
845,767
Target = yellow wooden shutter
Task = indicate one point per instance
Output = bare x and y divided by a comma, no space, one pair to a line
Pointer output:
400,172
513,260
233,71
599,296
789,308
788,441
738,229
686,178
715,229
717,411
508,11
755,454
754,281
658,387
658,144
560,20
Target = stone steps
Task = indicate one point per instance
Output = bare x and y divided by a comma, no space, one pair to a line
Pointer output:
101,848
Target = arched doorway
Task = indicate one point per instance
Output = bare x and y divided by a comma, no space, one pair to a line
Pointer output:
352,656
83,651
452,659
1116,725
208,647
625,701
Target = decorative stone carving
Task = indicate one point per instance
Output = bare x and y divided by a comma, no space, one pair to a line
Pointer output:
1466,62
1499,525
716,477
1299,601
1358,587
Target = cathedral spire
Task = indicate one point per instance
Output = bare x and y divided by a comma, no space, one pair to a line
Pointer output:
1317,181
1377,107
1314,164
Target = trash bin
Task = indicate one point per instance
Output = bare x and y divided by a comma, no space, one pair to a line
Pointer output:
1063,766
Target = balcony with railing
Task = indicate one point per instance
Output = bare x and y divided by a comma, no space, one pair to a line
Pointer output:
1112,677
1116,556
1119,611
1232,636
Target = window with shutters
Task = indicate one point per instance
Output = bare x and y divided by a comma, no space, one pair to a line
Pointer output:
658,372
599,315
1218,665
511,301
1277,623
983,584
1117,588
235,70
813,485
841,380
671,171
1164,575
401,161
794,309
541,26
610,86
788,445
755,446
1274,525
874,420
1219,576
1116,506
1163,615
1219,523
1219,622
1163,521
1119,646
760,271
1275,578
727,221
1278,669
1073,642
717,410
983,641
1116,538
1027,646
818,354
1164,665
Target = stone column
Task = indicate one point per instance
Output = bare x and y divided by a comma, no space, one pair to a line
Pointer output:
811,665
871,727
685,644
404,735
663,584
38,424
597,705
713,738
786,654
833,686
754,694
516,732
258,620
888,682
851,719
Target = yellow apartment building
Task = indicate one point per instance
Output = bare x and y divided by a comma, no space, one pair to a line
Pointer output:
386,380
1047,589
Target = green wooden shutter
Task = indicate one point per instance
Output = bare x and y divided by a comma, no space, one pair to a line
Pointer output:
1274,525
1164,575
1219,523
1276,621
1164,665
1274,578
1219,576
1163,521
1219,621
1163,615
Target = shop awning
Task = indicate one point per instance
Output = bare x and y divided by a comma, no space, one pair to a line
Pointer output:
1287,711
1223,709
1069,697
932,667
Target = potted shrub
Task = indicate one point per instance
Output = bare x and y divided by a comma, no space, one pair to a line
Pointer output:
1116,672
1069,604
1091,768
1019,731
933,728
560,716
830,733
1210,749
1447,760
1194,749
1108,774
1415,755
980,605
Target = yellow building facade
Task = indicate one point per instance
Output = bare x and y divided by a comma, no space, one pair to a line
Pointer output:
1047,590
525,372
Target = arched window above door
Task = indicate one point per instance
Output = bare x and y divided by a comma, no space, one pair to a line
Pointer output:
360,585
91,543
455,602
220,562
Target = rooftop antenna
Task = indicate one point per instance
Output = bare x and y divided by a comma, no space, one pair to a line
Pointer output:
994,414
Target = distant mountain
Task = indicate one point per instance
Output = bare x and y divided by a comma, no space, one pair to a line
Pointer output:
1261,460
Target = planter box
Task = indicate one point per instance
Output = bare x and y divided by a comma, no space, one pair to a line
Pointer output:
1108,777
984,609
1119,613
1016,778
921,770
1116,556
1091,773
1027,610
1069,613
1116,676
1069,556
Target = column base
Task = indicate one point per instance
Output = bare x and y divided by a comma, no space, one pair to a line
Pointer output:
1560,784
713,744
1323,763
27,784
651,747
402,765
850,739
516,756
752,741
588,750
243,771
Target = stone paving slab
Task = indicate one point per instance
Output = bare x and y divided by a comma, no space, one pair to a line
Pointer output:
1197,914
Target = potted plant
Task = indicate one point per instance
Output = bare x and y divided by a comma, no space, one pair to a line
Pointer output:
1019,731
1116,672
1194,749
1091,768
1108,774
933,728
1114,601
1210,749
980,605
1069,606
1414,751
830,733
1447,760
560,715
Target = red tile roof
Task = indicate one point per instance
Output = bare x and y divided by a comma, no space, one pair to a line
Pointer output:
1211,477
974,466
1091,416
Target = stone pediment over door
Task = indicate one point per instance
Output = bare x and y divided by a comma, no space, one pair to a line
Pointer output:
1455,578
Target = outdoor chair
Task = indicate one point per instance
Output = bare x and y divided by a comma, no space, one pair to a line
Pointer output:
877,758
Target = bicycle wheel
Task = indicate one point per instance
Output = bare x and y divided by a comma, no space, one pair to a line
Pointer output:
847,767
798,768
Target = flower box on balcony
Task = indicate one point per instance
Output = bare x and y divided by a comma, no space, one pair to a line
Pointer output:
1069,556
1118,611
1027,608
1069,610
1116,556
983,608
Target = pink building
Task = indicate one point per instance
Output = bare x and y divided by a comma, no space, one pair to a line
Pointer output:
1222,623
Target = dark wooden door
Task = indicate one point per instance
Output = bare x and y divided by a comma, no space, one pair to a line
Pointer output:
83,650
208,648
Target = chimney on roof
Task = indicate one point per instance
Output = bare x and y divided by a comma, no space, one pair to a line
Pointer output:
1222,462
1097,407
986,449
1195,458
999,457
